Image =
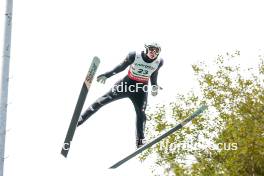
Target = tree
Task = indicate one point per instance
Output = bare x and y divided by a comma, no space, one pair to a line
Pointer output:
226,140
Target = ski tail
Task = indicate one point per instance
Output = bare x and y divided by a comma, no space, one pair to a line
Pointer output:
79,105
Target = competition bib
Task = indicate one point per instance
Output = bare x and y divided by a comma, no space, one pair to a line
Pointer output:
140,70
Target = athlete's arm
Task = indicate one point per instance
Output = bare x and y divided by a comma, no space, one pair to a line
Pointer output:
129,60
154,75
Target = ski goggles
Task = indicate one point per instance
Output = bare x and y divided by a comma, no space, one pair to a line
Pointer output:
156,50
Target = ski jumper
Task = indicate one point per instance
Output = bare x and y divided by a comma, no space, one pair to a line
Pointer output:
133,86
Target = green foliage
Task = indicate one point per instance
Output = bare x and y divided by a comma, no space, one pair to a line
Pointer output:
226,140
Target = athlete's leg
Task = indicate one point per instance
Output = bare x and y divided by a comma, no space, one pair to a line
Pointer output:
140,102
110,96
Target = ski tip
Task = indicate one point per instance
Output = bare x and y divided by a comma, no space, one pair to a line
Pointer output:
203,107
200,110
96,59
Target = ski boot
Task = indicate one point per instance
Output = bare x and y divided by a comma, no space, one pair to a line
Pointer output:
140,142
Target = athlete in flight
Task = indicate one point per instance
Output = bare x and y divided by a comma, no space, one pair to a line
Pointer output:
143,66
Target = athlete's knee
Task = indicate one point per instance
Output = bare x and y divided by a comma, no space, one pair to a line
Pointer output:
88,112
141,118
144,118
102,100
144,106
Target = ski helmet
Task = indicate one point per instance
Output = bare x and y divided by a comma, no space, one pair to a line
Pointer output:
153,45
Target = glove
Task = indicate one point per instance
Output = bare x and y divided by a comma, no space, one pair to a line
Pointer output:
101,78
154,90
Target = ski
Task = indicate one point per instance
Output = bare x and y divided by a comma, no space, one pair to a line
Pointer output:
159,138
79,105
